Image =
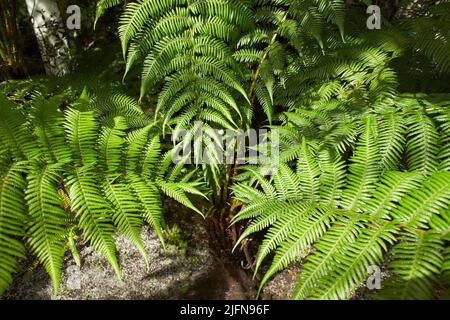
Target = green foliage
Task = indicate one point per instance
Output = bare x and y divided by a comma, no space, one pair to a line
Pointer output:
340,217
217,55
12,216
363,177
79,167
215,61
418,261
370,165
103,6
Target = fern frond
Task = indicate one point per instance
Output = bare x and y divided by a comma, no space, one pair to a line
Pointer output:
416,209
347,275
81,130
177,192
332,178
137,142
48,127
283,228
345,230
418,261
108,106
423,143
390,190
364,169
391,140
150,201
12,222
14,133
151,156
102,6
47,219
110,146
287,183
94,214
300,239
136,15
125,215
308,172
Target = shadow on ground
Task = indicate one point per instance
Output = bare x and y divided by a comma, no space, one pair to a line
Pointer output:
173,274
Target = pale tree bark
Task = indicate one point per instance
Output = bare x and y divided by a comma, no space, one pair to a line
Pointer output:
49,30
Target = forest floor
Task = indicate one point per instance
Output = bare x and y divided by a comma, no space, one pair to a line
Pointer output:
187,270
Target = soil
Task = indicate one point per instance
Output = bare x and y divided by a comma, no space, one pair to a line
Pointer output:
172,275
282,285
230,284
188,269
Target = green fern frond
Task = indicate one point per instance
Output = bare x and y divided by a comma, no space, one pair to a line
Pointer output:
136,14
48,128
177,192
14,133
332,178
47,219
364,169
390,190
107,106
351,270
94,214
418,261
150,202
102,6
354,200
151,156
287,184
283,228
137,143
12,222
423,143
81,129
416,209
308,172
345,230
391,140
110,146
300,239
125,215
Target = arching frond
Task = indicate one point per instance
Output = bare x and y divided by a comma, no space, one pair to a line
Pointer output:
103,5
47,219
418,259
12,222
94,214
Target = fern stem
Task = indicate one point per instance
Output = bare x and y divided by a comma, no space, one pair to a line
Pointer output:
263,58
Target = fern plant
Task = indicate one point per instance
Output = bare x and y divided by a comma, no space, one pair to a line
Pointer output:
340,216
80,170
219,55
412,130
371,174
218,61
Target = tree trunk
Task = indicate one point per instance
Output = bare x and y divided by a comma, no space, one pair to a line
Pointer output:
12,62
49,31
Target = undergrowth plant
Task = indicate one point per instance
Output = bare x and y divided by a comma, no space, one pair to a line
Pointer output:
363,174
371,173
80,170
339,215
